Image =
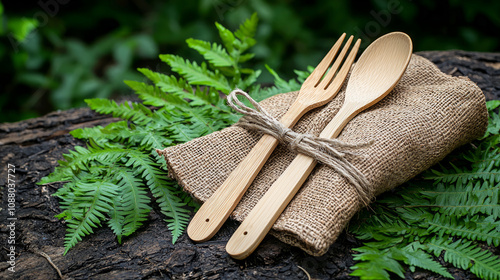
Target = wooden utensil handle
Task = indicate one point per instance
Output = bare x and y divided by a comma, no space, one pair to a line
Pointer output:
260,220
215,211
262,217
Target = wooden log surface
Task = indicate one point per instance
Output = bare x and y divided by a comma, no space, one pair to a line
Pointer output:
34,146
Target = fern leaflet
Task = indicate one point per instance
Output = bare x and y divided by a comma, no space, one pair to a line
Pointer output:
215,54
95,200
467,256
454,209
197,74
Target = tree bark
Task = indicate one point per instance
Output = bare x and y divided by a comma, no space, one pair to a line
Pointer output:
34,146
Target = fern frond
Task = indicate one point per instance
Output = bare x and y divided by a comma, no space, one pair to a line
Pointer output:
60,174
80,158
127,111
450,225
66,196
164,191
134,201
375,263
486,159
120,154
246,32
151,95
215,54
172,206
198,113
197,74
145,139
470,199
116,219
90,132
227,38
419,258
494,121
467,256
93,201
465,176
484,165
153,140
182,133
168,84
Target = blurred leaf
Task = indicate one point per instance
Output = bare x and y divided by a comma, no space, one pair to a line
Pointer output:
2,30
21,27
145,46
36,79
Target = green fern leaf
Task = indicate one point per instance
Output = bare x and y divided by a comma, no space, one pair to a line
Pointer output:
246,32
282,85
492,105
89,132
153,140
418,258
116,219
494,121
197,74
227,38
81,157
164,191
171,205
135,112
60,174
93,200
470,199
168,84
134,201
375,263
150,95
214,53
67,197
466,255
183,133
450,225
465,176
199,114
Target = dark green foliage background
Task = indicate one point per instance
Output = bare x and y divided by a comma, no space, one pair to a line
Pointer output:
85,49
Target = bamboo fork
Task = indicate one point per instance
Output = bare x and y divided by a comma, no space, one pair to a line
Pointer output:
377,71
314,92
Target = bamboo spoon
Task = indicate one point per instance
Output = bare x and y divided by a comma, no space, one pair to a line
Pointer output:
377,71
314,92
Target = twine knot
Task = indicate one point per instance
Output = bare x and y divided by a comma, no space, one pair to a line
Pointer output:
330,152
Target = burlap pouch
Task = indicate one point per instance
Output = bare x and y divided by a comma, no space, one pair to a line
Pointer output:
426,116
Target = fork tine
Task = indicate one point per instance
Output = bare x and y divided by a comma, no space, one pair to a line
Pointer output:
322,67
347,64
331,73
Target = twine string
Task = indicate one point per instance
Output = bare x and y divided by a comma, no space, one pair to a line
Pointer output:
330,152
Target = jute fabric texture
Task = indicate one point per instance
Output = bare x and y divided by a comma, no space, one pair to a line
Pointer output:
425,117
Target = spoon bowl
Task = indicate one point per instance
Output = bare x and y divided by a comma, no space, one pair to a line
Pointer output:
379,69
